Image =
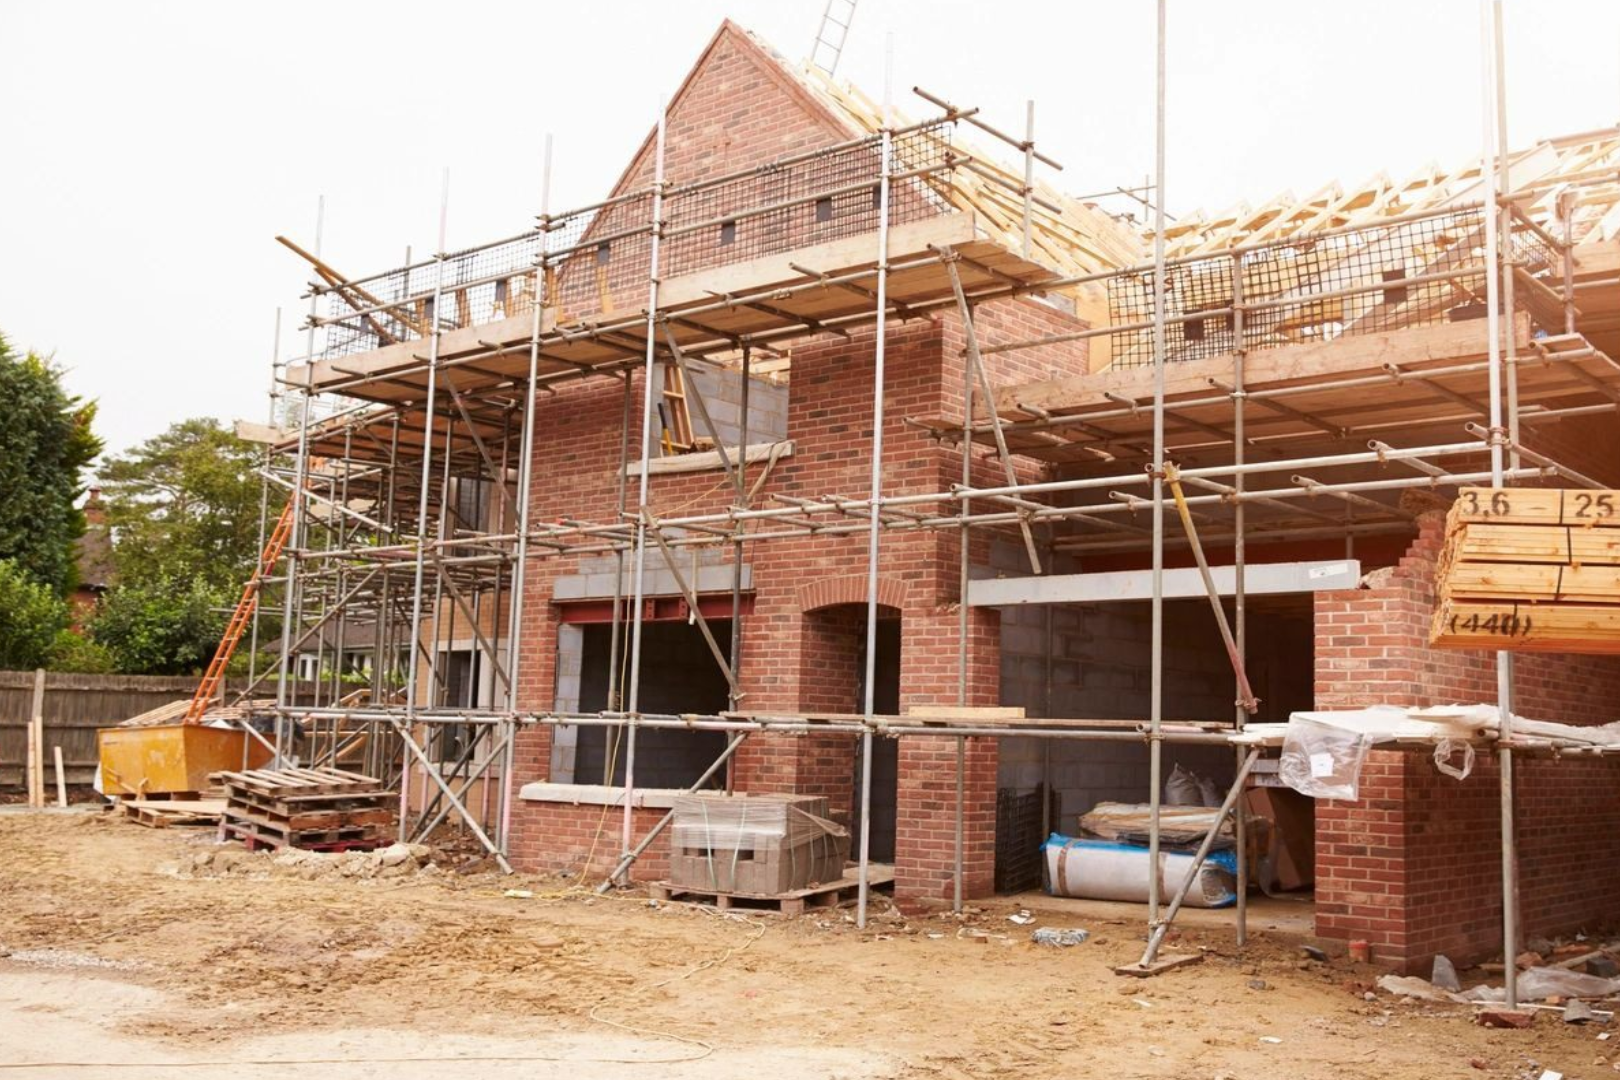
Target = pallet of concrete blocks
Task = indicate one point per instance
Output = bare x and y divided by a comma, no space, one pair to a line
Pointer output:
755,845
315,809
1530,569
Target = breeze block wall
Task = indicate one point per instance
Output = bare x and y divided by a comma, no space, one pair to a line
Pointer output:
1414,866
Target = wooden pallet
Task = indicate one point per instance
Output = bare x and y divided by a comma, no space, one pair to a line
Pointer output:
254,840
205,795
300,805
312,820
163,813
304,808
831,895
297,783
256,834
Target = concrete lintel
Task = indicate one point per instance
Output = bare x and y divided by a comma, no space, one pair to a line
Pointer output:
597,795
1181,583
656,581
706,460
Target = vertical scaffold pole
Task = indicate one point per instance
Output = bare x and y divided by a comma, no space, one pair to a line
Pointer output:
295,536
634,678
405,731
525,491
1510,370
869,706
264,496
741,475
1240,607
1156,657
963,575
1493,331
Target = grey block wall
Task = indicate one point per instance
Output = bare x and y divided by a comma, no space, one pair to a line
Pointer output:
722,393
1091,661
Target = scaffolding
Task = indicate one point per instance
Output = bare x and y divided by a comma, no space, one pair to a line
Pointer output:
410,471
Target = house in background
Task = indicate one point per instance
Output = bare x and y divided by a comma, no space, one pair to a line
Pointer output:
92,554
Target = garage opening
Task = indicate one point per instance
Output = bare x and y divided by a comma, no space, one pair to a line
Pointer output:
1092,661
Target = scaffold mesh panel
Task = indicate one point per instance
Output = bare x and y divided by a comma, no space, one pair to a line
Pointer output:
599,261
1313,288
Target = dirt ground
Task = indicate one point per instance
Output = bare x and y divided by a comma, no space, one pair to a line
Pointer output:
116,948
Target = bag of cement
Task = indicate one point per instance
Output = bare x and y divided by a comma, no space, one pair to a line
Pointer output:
1097,870
1321,760
1182,789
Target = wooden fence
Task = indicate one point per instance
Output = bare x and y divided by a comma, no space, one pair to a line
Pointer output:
75,707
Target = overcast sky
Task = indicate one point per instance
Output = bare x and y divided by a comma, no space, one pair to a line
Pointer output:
153,150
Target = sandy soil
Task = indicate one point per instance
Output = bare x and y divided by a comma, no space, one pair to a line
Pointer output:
114,949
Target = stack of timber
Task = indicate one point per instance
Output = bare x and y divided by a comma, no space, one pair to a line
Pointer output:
317,809
1530,569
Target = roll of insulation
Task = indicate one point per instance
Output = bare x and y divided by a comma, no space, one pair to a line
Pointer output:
1099,870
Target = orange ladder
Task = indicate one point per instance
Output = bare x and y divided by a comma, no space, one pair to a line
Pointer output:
241,617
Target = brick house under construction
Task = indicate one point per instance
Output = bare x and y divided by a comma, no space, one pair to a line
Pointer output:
1347,331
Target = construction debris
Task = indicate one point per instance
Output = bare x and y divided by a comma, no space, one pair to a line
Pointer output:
1505,1018
1578,1012
1603,967
1159,966
175,711
391,862
1444,975
1412,986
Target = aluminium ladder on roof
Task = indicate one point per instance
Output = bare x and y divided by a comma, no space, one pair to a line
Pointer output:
832,34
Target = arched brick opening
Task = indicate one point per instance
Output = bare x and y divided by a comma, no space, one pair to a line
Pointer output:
851,589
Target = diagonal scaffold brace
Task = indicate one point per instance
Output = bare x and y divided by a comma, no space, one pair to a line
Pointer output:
1149,964
432,773
1246,698
629,857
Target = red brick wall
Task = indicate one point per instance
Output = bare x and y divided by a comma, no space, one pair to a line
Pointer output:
790,659
797,655
583,839
1413,867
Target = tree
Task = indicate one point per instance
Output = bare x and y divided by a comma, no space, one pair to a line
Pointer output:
45,446
31,614
72,651
184,508
160,626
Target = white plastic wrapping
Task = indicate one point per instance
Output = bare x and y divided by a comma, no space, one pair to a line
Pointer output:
1322,760
1097,870
1544,982
1446,749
